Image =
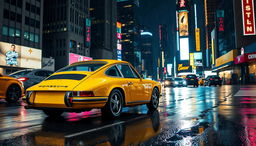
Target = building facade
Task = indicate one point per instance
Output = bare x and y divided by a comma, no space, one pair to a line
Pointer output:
66,31
20,34
104,29
126,14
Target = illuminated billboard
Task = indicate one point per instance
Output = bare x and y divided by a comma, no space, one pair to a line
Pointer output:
198,47
119,37
88,32
184,49
248,17
183,23
19,56
76,58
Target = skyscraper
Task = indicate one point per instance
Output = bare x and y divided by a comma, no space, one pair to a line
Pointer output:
126,10
66,31
104,19
21,34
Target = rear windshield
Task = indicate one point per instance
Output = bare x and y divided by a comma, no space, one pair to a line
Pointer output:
191,76
20,73
83,67
67,77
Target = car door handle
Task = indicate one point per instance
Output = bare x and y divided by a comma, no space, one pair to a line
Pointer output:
130,83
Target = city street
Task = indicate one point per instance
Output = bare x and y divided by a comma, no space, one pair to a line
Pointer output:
186,116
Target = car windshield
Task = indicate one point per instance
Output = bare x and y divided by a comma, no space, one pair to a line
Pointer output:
87,66
178,79
20,73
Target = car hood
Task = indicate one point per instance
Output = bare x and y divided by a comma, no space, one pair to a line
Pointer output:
61,81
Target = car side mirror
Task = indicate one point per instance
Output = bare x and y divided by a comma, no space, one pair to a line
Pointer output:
142,76
203,79
1,75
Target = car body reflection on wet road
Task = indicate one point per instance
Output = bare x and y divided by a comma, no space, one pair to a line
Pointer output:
186,116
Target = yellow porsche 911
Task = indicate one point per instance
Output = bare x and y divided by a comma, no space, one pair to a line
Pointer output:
11,89
106,84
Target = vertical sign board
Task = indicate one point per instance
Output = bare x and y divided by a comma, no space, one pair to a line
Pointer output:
220,19
198,39
248,17
119,37
183,23
88,32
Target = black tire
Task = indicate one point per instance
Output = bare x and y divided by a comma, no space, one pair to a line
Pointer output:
13,94
154,101
114,106
53,113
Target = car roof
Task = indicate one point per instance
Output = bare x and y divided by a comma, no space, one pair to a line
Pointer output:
109,61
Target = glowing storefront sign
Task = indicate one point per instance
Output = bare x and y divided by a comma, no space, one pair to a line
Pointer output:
183,23
88,33
76,58
248,17
19,56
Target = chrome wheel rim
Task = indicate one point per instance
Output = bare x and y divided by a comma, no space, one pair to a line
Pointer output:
155,99
115,104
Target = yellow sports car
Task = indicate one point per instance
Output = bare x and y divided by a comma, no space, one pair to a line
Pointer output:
11,89
106,84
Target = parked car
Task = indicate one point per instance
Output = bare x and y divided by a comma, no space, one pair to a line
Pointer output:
192,80
179,82
30,77
106,84
11,89
213,80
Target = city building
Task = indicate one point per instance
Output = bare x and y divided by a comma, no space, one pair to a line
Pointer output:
126,15
66,31
146,47
104,29
190,43
20,34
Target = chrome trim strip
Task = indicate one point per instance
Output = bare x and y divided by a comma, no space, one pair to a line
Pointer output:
84,100
142,101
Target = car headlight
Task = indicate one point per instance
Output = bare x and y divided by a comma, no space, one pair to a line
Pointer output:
176,82
166,82
184,82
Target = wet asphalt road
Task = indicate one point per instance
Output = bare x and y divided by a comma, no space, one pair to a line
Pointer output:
186,116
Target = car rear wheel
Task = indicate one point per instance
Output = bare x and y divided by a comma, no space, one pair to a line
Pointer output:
153,105
114,106
13,93
53,113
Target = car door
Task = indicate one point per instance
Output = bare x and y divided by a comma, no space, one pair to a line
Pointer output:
134,83
3,82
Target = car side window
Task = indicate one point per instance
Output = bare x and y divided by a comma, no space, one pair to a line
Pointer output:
135,74
126,71
113,71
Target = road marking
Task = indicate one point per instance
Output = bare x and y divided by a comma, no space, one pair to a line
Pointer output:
246,92
93,130
103,127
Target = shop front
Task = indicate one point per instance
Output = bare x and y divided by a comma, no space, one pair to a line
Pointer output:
15,57
226,69
247,64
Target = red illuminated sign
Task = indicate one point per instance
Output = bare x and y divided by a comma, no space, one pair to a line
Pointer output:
248,17
247,57
182,3
221,24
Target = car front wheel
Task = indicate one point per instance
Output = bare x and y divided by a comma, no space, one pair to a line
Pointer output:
113,107
153,105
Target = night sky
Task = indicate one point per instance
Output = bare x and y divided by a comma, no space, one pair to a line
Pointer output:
155,12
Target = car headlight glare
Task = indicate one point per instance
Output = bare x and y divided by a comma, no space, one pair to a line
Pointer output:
176,82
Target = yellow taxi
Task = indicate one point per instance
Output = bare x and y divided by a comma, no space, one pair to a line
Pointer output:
106,84
11,89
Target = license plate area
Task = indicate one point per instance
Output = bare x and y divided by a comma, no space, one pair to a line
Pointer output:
49,97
